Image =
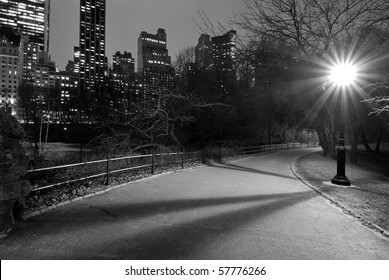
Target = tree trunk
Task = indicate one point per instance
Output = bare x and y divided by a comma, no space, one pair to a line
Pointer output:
332,139
269,114
379,138
364,141
175,139
27,115
269,130
326,134
354,146
47,136
40,135
323,140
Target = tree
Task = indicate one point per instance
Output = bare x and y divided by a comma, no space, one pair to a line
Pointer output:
372,43
377,39
25,102
163,116
185,68
185,56
258,105
315,31
310,26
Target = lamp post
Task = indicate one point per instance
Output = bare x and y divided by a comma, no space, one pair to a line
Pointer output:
342,75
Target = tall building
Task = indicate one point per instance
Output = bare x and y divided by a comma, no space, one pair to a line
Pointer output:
76,60
31,56
92,59
203,51
10,69
223,58
224,50
124,81
154,63
30,17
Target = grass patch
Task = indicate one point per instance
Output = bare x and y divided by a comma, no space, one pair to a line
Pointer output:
368,197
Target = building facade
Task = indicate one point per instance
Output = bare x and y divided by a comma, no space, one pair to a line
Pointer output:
203,51
123,62
55,93
224,50
92,65
31,54
10,70
29,20
28,17
223,60
124,81
76,60
67,88
154,62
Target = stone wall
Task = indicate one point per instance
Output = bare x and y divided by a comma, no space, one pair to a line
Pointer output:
13,167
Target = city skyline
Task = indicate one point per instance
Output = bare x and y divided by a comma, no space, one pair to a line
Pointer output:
127,19
32,17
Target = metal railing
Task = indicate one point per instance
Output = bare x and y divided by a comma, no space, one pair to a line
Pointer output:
49,177
268,148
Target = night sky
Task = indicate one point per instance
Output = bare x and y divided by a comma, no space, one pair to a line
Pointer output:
127,18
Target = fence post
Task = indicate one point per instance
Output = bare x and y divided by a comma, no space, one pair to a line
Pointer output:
81,153
108,170
152,162
182,158
203,155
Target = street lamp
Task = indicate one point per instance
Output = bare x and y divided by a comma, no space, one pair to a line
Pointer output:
343,75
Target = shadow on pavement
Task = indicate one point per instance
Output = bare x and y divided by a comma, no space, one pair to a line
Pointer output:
247,169
83,232
182,240
141,210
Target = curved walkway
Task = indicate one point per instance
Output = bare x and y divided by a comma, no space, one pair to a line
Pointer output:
253,208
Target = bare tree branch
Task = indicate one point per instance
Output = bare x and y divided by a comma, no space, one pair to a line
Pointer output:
309,25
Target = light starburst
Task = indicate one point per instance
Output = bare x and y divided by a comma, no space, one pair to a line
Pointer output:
343,74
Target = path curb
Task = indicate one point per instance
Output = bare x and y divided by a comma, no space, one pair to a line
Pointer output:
347,211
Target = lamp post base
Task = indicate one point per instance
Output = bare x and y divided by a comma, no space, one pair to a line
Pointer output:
341,180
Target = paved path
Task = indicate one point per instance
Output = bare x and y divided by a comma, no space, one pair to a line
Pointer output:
252,208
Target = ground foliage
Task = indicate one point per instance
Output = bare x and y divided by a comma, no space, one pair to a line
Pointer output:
39,200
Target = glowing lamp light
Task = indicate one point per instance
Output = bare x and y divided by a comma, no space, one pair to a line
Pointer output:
343,74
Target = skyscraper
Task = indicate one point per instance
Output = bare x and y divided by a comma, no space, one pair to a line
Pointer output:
92,59
224,49
223,58
154,63
30,17
31,56
123,80
203,51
